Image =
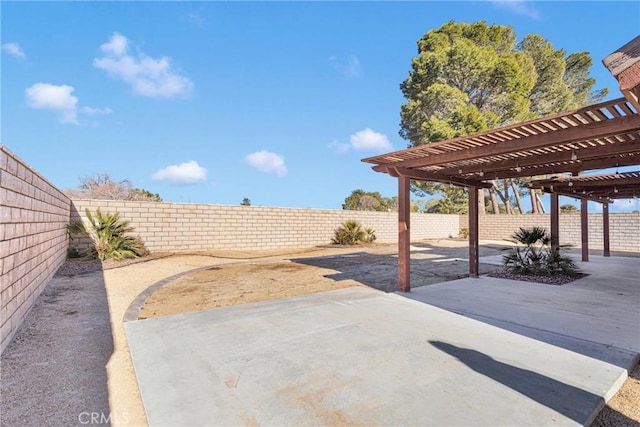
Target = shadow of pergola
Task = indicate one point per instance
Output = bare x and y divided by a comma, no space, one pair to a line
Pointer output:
430,264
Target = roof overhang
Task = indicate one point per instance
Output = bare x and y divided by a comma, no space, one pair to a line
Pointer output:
624,64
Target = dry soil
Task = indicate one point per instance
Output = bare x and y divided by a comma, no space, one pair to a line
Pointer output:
323,269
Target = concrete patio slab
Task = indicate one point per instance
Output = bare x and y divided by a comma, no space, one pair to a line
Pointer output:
597,315
358,356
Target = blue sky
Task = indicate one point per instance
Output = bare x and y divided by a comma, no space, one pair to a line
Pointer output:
211,102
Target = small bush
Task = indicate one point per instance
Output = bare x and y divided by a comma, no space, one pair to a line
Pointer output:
534,256
352,233
109,236
464,233
369,235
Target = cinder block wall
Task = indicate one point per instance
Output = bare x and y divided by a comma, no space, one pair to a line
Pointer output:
183,227
624,228
33,239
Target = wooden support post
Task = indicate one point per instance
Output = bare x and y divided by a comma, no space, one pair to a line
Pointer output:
473,232
584,228
555,223
605,229
404,241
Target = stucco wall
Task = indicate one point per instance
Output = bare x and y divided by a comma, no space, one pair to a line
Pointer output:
33,239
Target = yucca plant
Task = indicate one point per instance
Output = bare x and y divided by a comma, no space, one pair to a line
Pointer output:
534,255
109,236
351,233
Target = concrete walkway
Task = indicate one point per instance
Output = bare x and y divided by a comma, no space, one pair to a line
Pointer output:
469,352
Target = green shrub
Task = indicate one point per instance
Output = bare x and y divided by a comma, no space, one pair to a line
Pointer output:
369,235
464,233
533,255
109,236
352,233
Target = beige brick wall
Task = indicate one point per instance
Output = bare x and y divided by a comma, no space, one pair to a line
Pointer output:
184,227
33,239
624,228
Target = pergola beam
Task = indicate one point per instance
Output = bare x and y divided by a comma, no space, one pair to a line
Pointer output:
569,135
427,176
598,188
568,158
565,182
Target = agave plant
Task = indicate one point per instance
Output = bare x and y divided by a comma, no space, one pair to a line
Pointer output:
109,236
534,255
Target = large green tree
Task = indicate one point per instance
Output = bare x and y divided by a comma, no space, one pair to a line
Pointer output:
471,77
360,200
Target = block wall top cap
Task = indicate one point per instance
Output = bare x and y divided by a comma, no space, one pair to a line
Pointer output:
623,57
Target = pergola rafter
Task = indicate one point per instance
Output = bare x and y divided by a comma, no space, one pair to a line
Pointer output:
564,142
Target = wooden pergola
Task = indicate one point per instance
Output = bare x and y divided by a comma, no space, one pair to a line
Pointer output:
601,136
553,152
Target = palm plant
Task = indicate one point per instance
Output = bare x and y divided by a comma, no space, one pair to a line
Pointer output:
351,233
534,255
109,236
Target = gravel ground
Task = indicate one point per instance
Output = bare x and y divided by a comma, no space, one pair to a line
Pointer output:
75,266
623,410
53,372
557,279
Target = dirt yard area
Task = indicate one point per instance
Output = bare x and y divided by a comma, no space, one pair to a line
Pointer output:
282,275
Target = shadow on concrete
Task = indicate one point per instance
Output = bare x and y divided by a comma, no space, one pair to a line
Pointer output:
600,252
430,264
54,370
570,401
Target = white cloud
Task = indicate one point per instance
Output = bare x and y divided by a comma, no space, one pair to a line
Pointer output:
351,68
14,49
152,77
369,140
266,161
196,20
185,173
89,111
57,98
364,140
340,147
519,7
